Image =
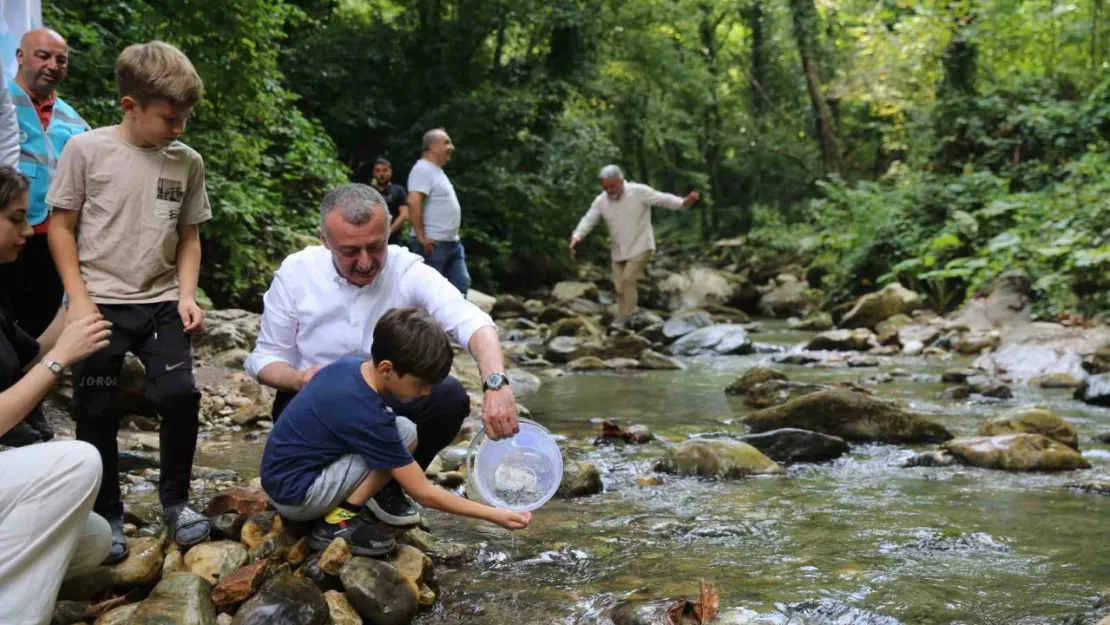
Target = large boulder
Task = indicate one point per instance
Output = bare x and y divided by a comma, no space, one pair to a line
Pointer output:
721,339
563,349
284,600
717,458
568,291
695,287
622,346
378,592
873,308
1041,348
574,326
921,334
1095,391
1004,304
755,375
180,599
650,359
816,322
858,340
790,445
508,307
142,567
1016,452
790,297
685,322
240,585
849,415
1035,420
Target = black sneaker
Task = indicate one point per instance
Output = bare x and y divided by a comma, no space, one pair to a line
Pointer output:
393,507
20,435
363,537
188,527
37,421
118,552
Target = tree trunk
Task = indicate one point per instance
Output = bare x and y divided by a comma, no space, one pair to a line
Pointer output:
804,15
754,17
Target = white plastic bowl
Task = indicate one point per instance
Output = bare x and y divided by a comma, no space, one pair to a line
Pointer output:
520,473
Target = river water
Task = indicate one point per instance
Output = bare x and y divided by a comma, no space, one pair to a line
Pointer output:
855,541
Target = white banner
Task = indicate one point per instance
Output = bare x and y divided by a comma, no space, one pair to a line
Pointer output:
16,18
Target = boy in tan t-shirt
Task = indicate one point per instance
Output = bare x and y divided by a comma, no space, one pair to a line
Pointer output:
128,201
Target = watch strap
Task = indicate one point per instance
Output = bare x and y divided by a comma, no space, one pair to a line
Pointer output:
54,366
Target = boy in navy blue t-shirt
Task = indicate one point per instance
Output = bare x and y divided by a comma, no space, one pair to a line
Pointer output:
337,444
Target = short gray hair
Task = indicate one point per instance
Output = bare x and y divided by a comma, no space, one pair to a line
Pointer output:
357,202
611,171
430,138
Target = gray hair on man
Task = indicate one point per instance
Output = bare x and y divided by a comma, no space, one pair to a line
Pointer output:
610,172
430,138
357,203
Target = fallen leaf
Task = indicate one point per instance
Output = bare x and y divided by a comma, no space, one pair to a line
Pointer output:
609,430
675,612
708,602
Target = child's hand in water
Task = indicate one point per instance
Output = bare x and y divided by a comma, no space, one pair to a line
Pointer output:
511,520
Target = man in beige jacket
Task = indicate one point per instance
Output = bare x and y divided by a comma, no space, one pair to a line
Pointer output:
626,208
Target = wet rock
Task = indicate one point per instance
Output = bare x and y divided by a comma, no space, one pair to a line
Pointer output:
649,480
214,561
142,567
726,314
241,500
1098,487
174,562
956,376
798,358
859,362
298,552
859,340
972,343
378,592
580,479
755,375
180,599
563,349
522,381
791,445
623,346
240,585
876,307
118,616
311,571
508,307
1016,452
931,459
849,415
996,390
257,527
454,457
69,612
413,564
340,609
332,559
1056,380
565,291
640,613
284,600
956,393
1035,420
440,551
722,339
574,326
226,526
1096,391
913,348
717,458
790,297
623,363
1041,348
130,460
551,314
450,479
685,322
775,392
1103,438
587,363
650,359
921,334
816,322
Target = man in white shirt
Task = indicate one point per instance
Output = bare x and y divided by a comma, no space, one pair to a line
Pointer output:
323,304
435,212
626,208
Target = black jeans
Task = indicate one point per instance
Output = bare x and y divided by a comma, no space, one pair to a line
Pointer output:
155,334
438,416
33,289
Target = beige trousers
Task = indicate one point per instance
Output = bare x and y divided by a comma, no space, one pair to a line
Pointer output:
625,275
47,529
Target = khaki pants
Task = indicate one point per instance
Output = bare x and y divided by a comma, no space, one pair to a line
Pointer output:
47,530
625,275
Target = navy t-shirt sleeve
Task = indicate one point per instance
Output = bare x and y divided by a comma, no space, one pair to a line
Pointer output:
373,435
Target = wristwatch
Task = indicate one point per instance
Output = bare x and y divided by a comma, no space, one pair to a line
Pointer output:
494,381
54,366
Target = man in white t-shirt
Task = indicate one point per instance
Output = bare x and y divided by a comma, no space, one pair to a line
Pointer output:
626,209
435,212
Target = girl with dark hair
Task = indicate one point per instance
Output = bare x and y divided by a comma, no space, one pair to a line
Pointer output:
47,530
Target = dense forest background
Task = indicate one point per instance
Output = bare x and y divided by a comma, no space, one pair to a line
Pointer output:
935,142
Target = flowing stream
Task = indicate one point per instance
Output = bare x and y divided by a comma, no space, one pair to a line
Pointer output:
855,541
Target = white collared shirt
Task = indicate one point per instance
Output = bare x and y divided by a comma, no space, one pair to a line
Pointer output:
313,316
628,218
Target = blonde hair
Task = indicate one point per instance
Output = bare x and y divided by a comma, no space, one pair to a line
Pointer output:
157,71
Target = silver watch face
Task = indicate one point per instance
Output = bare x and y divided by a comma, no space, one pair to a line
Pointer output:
495,381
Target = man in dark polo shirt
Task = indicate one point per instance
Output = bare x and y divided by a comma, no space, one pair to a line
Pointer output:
396,199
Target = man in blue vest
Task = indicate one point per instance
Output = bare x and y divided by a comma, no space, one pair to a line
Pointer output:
45,125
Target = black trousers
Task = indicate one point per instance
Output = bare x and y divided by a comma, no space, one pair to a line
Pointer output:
155,334
438,416
33,289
